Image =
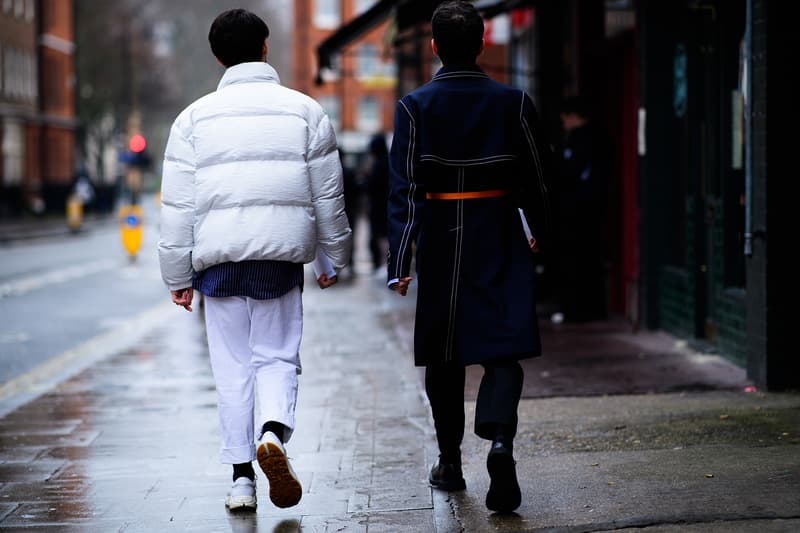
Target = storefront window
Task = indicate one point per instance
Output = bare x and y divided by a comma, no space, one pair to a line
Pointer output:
13,149
363,5
327,14
367,60
332,108
368,114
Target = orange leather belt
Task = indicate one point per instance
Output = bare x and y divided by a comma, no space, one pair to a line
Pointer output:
494,193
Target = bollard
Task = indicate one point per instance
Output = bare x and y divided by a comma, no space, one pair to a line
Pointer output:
130,218
74,212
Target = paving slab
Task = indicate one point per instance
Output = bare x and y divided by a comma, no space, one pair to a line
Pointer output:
131,443
619,431
718,459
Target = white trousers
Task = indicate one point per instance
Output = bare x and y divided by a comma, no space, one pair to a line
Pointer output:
254,347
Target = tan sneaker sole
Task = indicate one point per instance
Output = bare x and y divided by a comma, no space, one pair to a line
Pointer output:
284,488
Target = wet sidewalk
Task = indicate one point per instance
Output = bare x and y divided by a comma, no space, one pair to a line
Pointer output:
131,443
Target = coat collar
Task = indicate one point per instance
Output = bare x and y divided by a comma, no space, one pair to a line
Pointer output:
247,73
460,71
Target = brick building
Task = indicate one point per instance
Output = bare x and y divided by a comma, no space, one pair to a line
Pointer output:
359,95
37,111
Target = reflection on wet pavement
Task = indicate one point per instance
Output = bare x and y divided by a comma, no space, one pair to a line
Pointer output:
131,444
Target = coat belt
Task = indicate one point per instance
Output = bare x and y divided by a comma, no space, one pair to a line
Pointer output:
493,193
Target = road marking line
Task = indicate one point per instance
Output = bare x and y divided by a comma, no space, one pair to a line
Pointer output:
56,370
13,338
31,283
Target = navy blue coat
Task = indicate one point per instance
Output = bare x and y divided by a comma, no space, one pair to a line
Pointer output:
463,132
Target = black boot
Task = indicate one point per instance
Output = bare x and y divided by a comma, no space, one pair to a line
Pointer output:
447,476
504,495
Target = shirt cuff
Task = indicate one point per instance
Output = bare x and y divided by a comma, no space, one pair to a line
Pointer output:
392,282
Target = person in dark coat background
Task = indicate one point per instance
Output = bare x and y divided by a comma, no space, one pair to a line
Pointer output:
582,191
351,203
467,154
377,186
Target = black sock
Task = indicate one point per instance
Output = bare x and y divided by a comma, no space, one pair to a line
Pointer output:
276,427
243,470
451,457
501,435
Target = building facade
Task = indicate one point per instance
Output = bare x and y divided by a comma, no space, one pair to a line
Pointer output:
37,111
712,114
693,94
359,95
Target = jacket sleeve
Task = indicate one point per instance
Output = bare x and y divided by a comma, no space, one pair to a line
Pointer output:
535,197
405,197
177,212
334,236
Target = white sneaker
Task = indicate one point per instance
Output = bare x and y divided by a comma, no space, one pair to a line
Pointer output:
242,496
284,487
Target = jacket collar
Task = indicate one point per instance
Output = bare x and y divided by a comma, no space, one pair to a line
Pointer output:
256,71
460,71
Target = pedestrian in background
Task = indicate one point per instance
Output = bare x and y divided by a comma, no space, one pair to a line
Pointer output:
377,186
582,204
351,202
251,190
83,188
468,153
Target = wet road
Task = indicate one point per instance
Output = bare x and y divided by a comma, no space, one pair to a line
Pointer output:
59,292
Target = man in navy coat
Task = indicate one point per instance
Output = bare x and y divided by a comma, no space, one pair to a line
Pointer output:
467,160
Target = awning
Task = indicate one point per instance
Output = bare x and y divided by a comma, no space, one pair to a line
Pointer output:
408,13
351,31
492,8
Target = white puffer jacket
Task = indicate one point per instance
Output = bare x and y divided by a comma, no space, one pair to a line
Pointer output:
251,172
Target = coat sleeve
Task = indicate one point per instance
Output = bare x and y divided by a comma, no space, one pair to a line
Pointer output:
176,239
405,197
538,158
334,236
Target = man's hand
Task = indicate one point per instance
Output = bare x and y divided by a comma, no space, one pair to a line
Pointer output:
324,281
534,245
183,297
401,287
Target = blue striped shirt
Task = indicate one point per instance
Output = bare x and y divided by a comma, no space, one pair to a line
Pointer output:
260,280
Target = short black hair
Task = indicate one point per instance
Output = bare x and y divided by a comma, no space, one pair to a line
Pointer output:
458,32
237,36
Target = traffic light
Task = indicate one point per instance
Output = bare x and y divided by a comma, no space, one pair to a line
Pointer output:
141,160
137,153
137,143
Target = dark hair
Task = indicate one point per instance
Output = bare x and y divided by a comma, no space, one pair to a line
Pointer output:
458,32
237,36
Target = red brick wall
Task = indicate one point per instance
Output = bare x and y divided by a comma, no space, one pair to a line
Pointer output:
59,160
348,88
57,92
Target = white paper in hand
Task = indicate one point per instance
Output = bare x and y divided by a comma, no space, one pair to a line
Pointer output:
322,265
525,227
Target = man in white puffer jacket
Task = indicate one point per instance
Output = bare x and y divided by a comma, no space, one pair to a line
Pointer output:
251,190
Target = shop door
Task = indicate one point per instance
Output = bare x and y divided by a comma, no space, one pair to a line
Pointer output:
703,132
623,237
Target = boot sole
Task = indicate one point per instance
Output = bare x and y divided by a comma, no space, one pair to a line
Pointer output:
284,488
449,486
504,494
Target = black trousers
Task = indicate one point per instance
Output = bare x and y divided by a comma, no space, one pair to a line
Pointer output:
495,411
